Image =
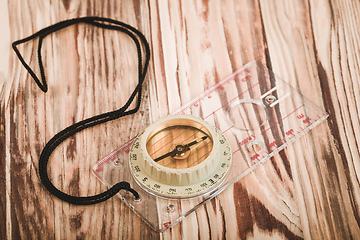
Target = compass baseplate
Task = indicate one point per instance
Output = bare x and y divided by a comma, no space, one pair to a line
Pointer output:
258,114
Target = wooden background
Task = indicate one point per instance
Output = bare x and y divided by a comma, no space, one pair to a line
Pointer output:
313,45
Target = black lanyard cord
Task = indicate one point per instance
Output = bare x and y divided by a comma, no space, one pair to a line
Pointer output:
55,141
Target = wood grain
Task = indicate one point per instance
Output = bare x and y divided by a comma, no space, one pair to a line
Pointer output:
310,190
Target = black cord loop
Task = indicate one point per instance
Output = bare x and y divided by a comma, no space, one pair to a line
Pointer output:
55,141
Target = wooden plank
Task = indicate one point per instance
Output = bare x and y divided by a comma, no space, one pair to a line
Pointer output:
76,91
305,31
4,66
311,190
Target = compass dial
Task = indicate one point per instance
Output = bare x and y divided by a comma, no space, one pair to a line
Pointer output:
180,156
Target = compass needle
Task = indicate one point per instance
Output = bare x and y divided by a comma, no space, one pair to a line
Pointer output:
180,150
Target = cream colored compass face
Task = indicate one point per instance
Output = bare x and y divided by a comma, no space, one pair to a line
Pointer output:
179,144
180,156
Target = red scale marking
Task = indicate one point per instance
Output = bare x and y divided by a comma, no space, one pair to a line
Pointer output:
162,138
228,129
192,135
282,119
200,158
236,151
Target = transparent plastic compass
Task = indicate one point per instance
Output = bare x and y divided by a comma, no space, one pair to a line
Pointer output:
180,162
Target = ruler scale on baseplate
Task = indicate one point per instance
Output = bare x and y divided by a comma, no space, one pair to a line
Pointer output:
257,113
